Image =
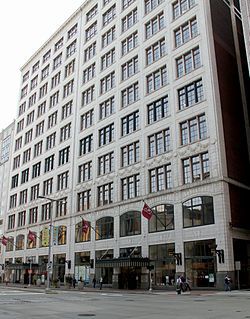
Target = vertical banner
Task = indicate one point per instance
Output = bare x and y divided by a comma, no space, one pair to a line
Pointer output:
45,237
55,235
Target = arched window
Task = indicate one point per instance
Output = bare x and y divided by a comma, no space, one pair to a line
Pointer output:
130,224
10,244
198,211
104,228
44,237
31,243
162,219
80,234
62,235
20,242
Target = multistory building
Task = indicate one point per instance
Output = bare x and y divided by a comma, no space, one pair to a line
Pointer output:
132,102
245,10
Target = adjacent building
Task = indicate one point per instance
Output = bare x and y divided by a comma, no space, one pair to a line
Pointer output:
132,102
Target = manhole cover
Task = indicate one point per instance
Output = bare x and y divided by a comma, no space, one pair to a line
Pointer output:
86,315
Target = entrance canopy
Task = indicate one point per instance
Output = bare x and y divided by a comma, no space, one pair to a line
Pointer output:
122,262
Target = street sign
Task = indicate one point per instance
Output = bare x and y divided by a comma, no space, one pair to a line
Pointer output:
237,265
49,266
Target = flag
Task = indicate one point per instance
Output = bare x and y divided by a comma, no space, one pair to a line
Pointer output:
85,226
147,211
31,236
4,240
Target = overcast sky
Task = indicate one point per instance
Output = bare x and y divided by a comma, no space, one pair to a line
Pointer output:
24,26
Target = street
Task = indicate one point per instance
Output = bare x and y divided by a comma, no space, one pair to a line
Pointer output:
30,304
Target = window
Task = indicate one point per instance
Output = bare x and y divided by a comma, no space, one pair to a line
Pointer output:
190,94
36,170
160,178
55,80
156,51
89,73
51,141
127,3
88,95
49,163
35,67
64,156
188,62
26,155
106,163
71,49
154,25
91,13
43,90
14,181
48,186
106,134
195,168
67,110
108,37
159,143
38,148
41,109
130,95
28,136
32,100
57,61
129,68
45,72
18,143
33,83
130,224
130,123
84,200
130,154
13,201
65,132
90,52
16,162
69,68
24,91
54,99
20,126
61,209
62,180
22,108
198,211
59,44
72,31
186,32
82,236
34,192
87,119
157,79
108,59
68,88
86,145
26,76
40,128
107,83
91,31
11,222
158,110
105,194
46,211
105,228
162,219
109,15
23,197
33,215
30,118
52,120
130,187
85,172
129,43
129,20
105,2
107,108
181,6
193,130
151,5
46,56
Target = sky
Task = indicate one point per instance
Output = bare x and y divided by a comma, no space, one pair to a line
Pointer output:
24,26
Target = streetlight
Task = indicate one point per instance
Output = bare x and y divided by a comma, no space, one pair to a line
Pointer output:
49,265
30,270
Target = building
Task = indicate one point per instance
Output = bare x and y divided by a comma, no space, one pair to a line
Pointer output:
129,102
245,9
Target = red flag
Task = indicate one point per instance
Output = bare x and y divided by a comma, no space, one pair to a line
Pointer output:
147,211
4,240
31,235
85,226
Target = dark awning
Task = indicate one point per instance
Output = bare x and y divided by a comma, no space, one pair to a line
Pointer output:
21,266
122,262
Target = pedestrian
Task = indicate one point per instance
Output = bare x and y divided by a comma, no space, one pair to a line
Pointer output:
94,282
74,282
100,281
178,285
227,283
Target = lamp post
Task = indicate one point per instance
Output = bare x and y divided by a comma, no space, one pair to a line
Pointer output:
30,270
50,263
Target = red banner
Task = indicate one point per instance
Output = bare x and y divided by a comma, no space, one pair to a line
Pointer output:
4,240
85,226
147,211
31,236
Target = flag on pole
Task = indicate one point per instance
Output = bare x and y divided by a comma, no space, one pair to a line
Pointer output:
4,240
31,236
85,226
147,211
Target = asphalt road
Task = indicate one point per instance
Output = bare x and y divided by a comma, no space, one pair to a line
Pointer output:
25,304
